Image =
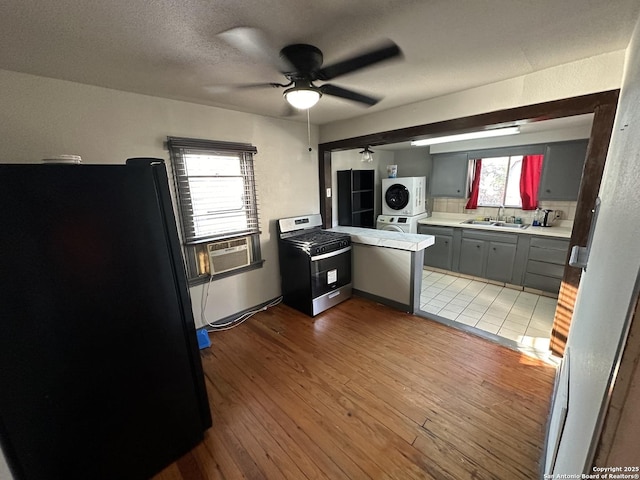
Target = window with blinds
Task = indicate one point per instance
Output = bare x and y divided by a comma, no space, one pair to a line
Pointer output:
216,192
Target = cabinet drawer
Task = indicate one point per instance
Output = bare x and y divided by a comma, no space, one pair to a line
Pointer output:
551,243
557,257
490,236
541,282
548,269
432,230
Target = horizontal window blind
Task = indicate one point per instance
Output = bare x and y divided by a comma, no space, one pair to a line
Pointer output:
216,189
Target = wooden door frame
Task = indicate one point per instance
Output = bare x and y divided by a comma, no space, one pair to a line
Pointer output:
602,104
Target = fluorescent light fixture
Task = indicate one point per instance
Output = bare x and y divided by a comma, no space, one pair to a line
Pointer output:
496,132
302,98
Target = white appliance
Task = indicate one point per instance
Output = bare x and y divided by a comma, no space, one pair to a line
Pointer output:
228,255
395,223
403,196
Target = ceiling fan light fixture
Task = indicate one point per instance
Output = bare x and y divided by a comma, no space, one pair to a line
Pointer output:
303,97
367,155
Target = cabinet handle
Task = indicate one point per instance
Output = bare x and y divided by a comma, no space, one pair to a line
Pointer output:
494,249
477,246
548,190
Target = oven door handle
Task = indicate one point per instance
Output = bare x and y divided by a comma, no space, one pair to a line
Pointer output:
330,254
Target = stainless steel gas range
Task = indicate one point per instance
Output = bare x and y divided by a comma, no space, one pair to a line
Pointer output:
315,264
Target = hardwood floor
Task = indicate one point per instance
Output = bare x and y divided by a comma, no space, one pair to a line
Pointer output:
363,391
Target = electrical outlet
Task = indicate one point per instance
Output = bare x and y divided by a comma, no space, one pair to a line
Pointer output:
558,214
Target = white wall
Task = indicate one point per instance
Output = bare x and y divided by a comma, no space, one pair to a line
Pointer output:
606,290
41,116
595,74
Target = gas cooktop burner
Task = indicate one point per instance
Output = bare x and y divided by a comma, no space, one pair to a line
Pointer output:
316,242
316,237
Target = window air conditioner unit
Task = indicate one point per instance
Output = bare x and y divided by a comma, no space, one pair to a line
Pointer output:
229,255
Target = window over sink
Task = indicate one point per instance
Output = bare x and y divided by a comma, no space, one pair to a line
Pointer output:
500,182
507,181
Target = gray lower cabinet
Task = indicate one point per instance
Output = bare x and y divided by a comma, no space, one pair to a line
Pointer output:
545,263
473,256
440,254
532,261
500,261
488,255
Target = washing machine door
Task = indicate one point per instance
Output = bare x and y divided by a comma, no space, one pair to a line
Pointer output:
392,228
397,196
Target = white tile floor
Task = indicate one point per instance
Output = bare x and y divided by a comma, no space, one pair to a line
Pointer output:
516,315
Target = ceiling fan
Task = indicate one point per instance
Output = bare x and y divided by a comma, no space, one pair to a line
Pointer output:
301,64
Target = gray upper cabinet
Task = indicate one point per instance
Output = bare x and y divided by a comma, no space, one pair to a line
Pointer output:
562,170
449,177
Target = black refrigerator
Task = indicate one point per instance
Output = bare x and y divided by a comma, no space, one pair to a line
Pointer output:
100,373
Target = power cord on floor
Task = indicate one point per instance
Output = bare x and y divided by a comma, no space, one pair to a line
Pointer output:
216,327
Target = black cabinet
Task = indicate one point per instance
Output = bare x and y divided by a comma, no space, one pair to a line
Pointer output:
356,198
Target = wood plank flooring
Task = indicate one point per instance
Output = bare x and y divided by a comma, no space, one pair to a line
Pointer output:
363,391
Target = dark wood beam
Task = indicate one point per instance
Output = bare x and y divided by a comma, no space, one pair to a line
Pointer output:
589,187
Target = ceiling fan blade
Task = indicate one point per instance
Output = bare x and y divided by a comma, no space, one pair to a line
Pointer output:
219,89
329,89
387,51
255,43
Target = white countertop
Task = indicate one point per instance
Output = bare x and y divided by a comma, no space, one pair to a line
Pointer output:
561,230
382,238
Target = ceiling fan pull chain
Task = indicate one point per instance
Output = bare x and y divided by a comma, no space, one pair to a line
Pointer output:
308,130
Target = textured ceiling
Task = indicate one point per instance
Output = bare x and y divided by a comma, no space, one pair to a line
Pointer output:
170,48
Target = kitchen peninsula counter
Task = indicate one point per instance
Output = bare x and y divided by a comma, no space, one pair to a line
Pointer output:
382,238
387,266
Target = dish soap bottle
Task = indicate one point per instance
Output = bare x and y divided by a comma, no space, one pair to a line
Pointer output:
536,218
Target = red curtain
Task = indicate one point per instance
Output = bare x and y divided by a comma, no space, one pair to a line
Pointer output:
529,181
472,203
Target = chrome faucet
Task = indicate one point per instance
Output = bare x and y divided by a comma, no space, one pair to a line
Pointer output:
503,217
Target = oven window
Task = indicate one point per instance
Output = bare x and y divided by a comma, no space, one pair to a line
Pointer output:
330,273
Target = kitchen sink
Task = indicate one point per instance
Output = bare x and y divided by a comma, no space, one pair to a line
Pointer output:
478,222
509,225
493,223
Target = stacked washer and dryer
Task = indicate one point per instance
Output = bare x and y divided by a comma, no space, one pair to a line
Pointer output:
403,204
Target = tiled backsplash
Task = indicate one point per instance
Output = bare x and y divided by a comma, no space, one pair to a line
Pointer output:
456,205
